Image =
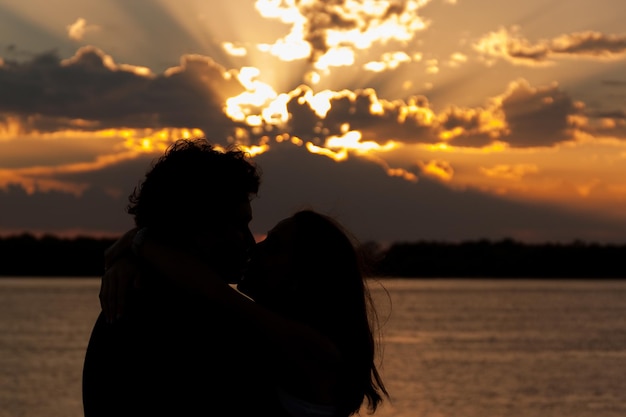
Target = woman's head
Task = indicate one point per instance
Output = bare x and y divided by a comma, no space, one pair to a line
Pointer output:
308,269
305,256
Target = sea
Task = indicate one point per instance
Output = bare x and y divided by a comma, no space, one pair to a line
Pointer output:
449,347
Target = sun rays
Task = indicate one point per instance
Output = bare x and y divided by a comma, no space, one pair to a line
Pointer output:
425,89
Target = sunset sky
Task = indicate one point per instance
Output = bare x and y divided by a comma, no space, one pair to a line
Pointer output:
407,120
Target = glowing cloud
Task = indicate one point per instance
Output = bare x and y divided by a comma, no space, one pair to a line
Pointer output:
339,148
456,59
77,30
88,55
510,172
257,95
293,46
432,66
131,144
329,33
389,60
351,140
508,44
439,169
234,50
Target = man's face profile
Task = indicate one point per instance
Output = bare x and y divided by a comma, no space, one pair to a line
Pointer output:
227,242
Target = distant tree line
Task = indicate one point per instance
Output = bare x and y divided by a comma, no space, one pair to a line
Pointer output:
27,255
505,258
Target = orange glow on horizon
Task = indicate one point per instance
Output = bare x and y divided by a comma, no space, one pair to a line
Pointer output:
133,142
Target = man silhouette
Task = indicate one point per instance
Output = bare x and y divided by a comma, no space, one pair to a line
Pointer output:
170,355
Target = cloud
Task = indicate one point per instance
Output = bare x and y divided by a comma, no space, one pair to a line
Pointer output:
359,191
510,172
375,205
93,212
90,92
99,207
456,59
377,120
432,66
541,116
607,123
77,30
615,83
591,45
441,170
48,93
331,33
508,44
388,61
523,116
234,50
471,127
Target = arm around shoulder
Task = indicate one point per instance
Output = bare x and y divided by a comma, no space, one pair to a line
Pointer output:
288,345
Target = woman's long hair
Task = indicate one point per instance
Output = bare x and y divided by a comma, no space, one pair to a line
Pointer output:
333,297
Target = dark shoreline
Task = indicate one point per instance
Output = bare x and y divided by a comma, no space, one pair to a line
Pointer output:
502,259
50,256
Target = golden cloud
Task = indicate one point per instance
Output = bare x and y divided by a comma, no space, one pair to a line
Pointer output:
509,172
508,44
439,169
77,30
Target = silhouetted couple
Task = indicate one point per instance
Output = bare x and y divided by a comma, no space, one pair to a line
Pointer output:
175,339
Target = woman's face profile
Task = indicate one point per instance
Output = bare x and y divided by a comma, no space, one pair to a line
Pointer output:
271,266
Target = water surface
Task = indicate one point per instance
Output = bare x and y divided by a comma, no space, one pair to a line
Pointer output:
452,348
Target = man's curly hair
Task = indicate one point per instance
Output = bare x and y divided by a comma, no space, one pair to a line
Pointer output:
193,184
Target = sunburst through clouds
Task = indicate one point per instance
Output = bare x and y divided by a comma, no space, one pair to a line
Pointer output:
377,81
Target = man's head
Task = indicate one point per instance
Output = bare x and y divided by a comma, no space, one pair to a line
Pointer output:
198,197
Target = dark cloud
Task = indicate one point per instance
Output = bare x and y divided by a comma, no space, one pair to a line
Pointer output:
57,212
471,124
101,208
403,121
90,86
372,204
524,116
304,122
611,114
590,43
611,123
120,177
91,92
376,206
509,45
538,116
614,83
533,117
